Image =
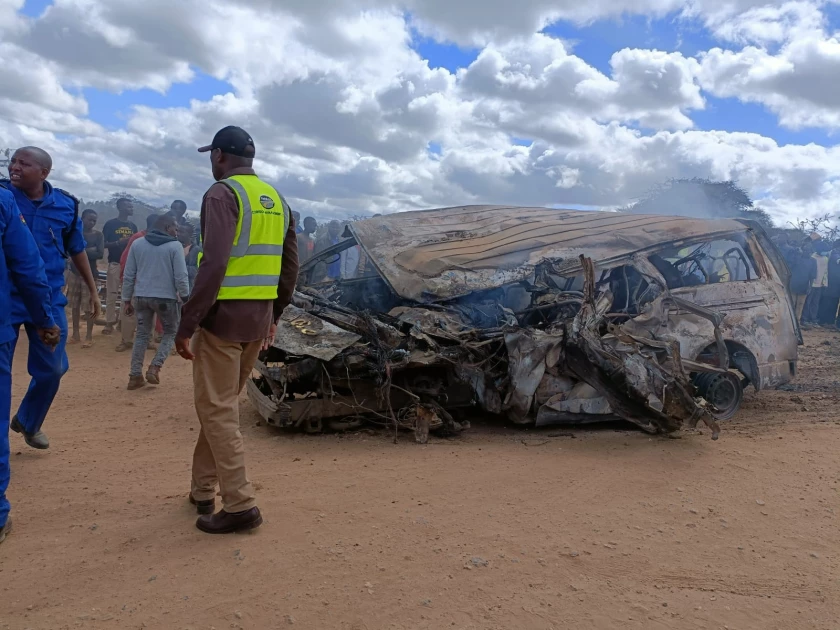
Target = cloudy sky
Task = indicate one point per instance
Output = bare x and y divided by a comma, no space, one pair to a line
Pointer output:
360,106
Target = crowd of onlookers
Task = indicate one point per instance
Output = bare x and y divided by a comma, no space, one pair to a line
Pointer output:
147,279
814,264
314,239
111,248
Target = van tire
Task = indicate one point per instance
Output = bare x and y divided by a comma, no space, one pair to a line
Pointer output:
723,392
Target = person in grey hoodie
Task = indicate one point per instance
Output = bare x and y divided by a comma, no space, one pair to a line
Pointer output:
155,282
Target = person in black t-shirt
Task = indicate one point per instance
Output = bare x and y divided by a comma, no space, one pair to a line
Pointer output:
117,232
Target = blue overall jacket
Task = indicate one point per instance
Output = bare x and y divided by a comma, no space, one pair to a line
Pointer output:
55,223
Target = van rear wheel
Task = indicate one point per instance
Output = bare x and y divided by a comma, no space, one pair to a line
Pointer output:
723,392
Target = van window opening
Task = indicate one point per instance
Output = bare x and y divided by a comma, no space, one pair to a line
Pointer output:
710,262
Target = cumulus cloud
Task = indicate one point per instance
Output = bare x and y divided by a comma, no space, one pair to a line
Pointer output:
494,21
539,78
27,79
10,19
349,119
97,50
763,24
797,83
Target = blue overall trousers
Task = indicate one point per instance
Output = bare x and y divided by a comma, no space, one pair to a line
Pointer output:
21,269
57,229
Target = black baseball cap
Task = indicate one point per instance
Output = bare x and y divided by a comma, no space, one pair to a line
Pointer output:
232,140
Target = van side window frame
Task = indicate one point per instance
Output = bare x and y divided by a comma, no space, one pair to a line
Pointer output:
740,252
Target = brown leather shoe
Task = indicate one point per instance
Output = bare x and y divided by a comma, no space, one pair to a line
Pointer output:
135,382
153,375
203,507
224,523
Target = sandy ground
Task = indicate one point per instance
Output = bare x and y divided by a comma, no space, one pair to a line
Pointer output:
498,528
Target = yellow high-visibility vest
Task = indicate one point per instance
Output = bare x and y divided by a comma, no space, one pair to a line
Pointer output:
253,269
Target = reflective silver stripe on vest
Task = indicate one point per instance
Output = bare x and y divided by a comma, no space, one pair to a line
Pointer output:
241,248
265,250
244,247
256,280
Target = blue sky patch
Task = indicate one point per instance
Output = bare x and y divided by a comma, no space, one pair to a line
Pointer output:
35,8
112,110
729,114
448,56
597,42
831,12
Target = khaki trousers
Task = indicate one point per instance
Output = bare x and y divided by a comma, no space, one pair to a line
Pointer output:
799,306
128,327
220,371
112,292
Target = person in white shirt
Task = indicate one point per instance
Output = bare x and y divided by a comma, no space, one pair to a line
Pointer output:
812,304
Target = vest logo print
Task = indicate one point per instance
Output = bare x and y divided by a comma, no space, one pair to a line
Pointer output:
266,202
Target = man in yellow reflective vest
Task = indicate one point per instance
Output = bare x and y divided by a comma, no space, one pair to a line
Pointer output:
246,276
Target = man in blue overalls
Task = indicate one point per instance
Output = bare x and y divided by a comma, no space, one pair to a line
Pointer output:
52,216
21,266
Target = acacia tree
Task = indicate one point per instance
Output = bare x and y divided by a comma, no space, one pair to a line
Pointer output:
702,198
824,226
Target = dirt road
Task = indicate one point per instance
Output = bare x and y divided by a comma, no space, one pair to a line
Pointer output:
497,528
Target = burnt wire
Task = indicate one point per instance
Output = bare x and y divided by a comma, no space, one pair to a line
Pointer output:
384,367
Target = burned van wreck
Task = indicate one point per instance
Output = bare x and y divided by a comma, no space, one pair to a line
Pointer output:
539,315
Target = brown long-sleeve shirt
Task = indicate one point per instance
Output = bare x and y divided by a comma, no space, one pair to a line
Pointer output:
240,321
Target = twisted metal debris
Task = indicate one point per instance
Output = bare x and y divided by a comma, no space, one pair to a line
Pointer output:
536,315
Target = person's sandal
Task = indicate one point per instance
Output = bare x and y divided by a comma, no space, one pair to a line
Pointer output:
153,375
7,529
123,346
